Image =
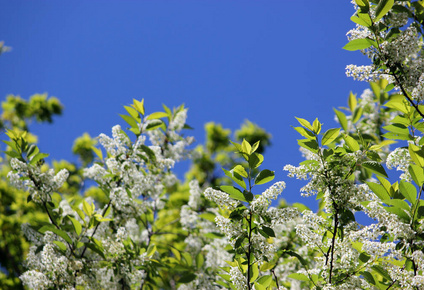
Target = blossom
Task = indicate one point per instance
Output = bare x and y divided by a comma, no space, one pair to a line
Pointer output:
222,199
400,159
238,279
275,190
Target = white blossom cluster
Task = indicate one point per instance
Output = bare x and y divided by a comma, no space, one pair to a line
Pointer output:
400,159
222,199
238,279
49,268
400,51
40,185
135,177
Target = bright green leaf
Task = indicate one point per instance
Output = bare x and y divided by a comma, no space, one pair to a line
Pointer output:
233,192
375,168
382,8
76,224
240,170
330,136
264,176
357,44
305,123
351,143
342,119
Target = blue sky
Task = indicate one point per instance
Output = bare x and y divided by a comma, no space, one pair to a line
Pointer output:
227,61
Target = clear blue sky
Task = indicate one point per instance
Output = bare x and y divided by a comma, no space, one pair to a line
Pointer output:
266,61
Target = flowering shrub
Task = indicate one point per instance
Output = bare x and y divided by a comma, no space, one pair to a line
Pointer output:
140,227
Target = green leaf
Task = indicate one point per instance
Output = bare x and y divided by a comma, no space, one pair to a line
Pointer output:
268,231
364,5
76,224
265,280
408,191
245,147
207,216
352,102
357,44
87,208
362,19
37,158
398,207
130,120
264,176
199,260
417,174
55,230
240,170
397,129
311,145
13,154
133,113
368,277
300,258
397,103
233,192
417,154
357,114
61,245
255,146
97,248
187,278
383,272
330,136
305,133
98,152
379,190
298,276
259,286
317,126
351,143
342,119
33,150
375,168
254,272
255,160
154,124
157,115
150,153
305,123
382,8
385,183
187,258
235,177
139,106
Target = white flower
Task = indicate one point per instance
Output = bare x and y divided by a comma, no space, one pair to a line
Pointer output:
194,199
35,280
222,199
275,190
238,279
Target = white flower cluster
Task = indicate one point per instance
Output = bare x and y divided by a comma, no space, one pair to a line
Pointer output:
222,199
188,218
400,159
195,194
40,185
403,51
238,279
178,122
229,229
275,190
216,255
49,269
